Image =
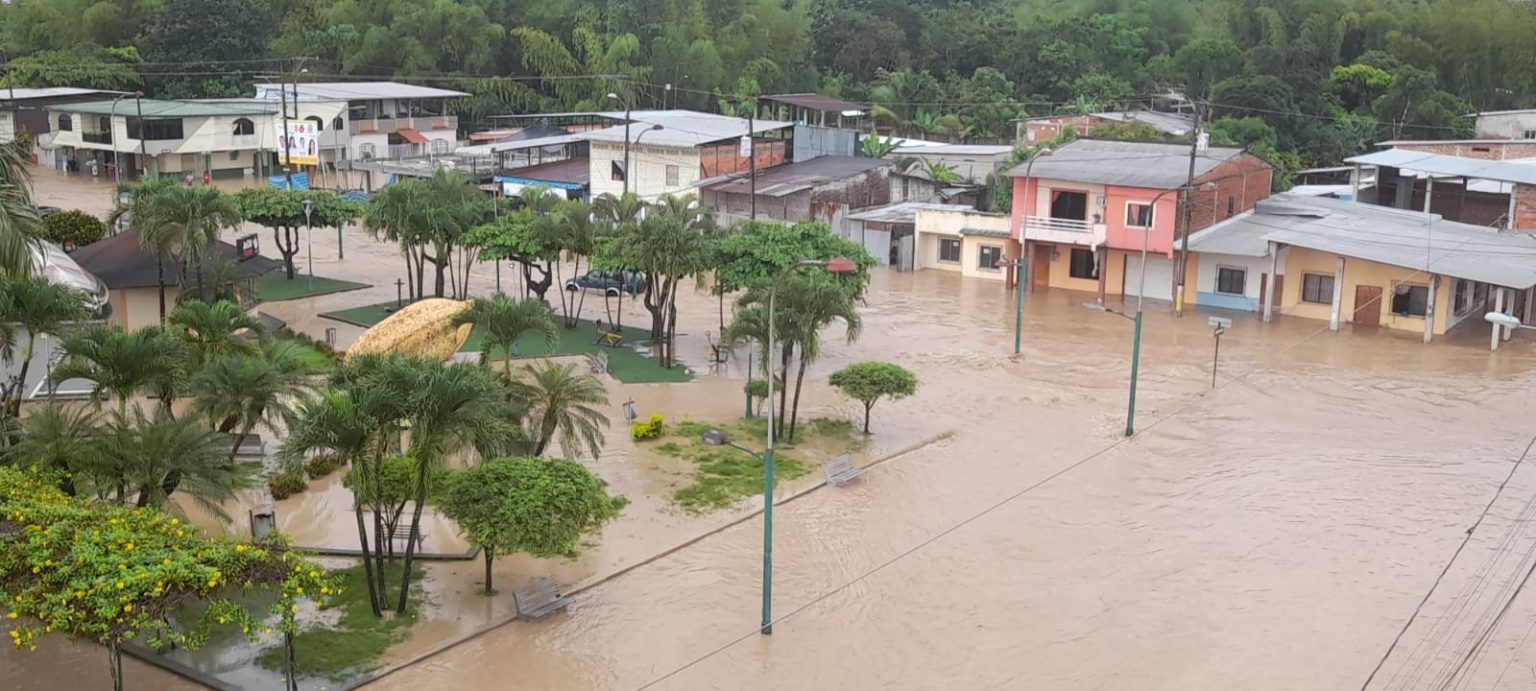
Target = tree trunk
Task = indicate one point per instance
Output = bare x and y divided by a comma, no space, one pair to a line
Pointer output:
160,281
867,406
378,556
14,396
440,284
489,555
410,542
362,540
168,485
285,247
794,413
565,296
291,683
115,664
421,274
783,381
410,275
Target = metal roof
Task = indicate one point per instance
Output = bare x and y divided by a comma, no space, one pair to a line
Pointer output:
679,128
1170,123
576,171
904,212
28,94
953,150
816,102
1379,234
120,262
986,232
356,91
518,145
1454,166
1152,165
790,178
165,109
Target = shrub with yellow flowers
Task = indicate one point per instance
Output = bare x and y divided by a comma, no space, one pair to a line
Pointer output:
111,574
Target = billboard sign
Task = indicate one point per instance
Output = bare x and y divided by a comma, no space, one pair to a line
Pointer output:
300,144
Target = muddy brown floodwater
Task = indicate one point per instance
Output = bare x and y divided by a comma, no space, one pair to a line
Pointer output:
1274,533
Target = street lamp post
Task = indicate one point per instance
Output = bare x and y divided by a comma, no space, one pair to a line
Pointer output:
309,229
836,265
625,101
117,161
1021,264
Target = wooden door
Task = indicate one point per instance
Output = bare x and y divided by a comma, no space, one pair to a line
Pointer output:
1367,305
1040,268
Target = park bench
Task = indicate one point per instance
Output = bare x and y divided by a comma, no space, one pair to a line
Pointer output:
540,599
400,539
841,469
252,446
598,362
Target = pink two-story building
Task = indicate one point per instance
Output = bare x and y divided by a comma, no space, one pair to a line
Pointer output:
1082,212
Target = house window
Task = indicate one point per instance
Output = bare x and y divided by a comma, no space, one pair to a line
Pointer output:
1231,206
244,126
1409,300
336,123
616,171
439,146
949,250
66,124
1317,288
1138,215
319,123
673,174
163,129
1084,264
989,256
1231,281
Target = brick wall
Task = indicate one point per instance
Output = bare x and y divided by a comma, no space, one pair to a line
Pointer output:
1490,150
1240,183
1525,207
1041,130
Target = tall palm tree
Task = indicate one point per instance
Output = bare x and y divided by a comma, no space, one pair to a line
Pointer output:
122,364
451,408
394,214
214,329
628,208
235,393
185,220
502,320
157,455
136,209
68,440
19,219
810,305
563,402
38,306
578,238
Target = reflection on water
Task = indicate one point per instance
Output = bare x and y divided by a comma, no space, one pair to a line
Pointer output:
1274,533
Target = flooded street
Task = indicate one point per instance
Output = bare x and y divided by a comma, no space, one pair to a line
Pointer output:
1276,532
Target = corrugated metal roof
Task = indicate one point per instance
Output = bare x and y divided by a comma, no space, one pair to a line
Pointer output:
952,150
357,91
816,102
794,177
166,109
1169,123
903,212
986,232
517,145
1380,234
680,128
27,94
1151,165
1455,166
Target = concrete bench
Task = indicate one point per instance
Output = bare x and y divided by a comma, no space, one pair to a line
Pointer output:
401,536
540,600
841,469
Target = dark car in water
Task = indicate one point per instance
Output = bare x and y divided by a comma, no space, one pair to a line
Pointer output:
610,282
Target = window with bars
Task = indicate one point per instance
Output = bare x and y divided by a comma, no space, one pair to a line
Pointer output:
1231,280
1084,264
988,257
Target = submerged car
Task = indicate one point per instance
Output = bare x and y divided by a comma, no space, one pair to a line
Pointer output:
610,282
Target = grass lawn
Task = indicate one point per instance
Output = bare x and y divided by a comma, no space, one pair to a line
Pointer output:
356,642
625,363
726,475
274,286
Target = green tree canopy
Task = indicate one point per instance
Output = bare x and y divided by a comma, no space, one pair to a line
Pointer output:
868,382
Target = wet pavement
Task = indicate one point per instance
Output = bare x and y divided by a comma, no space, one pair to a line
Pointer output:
1274,533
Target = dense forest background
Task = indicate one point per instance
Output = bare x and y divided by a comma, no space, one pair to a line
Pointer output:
1306,81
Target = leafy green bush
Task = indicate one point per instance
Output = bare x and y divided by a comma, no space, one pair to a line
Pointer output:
650,429
322,465
286,484
72,228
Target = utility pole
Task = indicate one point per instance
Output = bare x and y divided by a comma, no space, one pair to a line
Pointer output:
752,153
282,139
1186,216
138,102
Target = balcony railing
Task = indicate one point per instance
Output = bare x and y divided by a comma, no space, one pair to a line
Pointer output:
389,125
1065,225
96,137
1065,230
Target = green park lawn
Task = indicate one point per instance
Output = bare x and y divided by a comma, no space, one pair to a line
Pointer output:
274,286
624,362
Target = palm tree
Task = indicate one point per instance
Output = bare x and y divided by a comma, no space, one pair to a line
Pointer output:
19,219
68,440
502,321
237,392
122,364
810,305
561,401
186,220
578,237
39,306
428,213
451,408
628,208
157,455
137,210
214,329
394,215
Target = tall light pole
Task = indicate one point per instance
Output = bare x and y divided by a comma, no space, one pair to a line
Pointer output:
309,229
117,161
1021,264
625,101
836,265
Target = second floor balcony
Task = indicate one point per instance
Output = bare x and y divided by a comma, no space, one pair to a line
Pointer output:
96,137
1069,231
421,123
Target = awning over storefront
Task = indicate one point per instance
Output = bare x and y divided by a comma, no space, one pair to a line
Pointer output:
411,135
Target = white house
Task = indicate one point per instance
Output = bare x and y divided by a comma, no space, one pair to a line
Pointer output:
1232,258
671,151
146,136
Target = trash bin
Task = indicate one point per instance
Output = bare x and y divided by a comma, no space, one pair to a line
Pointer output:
263,521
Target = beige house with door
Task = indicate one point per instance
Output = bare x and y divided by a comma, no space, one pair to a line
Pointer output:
969,242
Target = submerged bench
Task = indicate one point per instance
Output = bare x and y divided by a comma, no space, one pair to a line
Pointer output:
841,469
598,362
540,600
402,536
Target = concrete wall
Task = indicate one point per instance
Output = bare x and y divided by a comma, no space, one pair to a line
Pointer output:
1506,125
648,174
1206,269
932,225
136,308
1358,272
1491,150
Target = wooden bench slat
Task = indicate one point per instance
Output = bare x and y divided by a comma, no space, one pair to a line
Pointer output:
540,599
841,470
